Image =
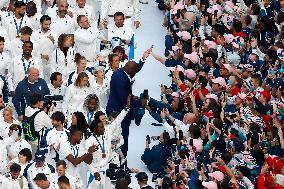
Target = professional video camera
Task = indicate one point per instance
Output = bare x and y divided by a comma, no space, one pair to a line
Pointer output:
114,172
50,100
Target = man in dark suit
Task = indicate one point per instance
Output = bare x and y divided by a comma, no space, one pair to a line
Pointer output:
120,89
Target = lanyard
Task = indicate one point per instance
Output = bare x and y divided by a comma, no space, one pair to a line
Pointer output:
26,69
18,28
90,117
75,150
102,147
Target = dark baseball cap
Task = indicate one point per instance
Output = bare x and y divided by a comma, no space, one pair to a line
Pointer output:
39,156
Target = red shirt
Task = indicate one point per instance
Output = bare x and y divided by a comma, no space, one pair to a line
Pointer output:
240,34
235,90
204,91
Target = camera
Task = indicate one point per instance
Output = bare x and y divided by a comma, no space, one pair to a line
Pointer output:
114,172
50,100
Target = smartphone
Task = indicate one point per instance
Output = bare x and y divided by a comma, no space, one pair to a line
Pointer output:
191,142
145,94
177,169
210,119
148,139
215,13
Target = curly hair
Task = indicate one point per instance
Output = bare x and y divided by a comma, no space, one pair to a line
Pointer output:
90,97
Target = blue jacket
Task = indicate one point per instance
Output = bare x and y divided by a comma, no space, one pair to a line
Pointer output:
5,90
156,158
24,90
120,89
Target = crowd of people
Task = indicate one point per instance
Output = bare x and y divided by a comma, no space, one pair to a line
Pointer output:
223,112
66,75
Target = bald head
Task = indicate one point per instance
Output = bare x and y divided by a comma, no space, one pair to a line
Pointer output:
33,75
131,68
189,118
62,8
59,2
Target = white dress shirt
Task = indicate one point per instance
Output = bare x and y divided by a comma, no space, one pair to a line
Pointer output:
5,127
14,147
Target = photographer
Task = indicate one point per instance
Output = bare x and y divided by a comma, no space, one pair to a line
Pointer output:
156,158
37,115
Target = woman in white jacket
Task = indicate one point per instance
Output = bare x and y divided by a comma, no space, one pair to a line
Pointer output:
62,58
81,66
101,86
76,94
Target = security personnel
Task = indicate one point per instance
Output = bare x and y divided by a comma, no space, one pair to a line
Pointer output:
142,179
130,8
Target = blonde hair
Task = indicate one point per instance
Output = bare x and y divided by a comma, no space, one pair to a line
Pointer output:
79,79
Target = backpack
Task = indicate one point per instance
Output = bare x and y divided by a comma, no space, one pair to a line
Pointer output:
29,128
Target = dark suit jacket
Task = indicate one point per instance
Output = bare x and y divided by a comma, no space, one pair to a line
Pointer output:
120,89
